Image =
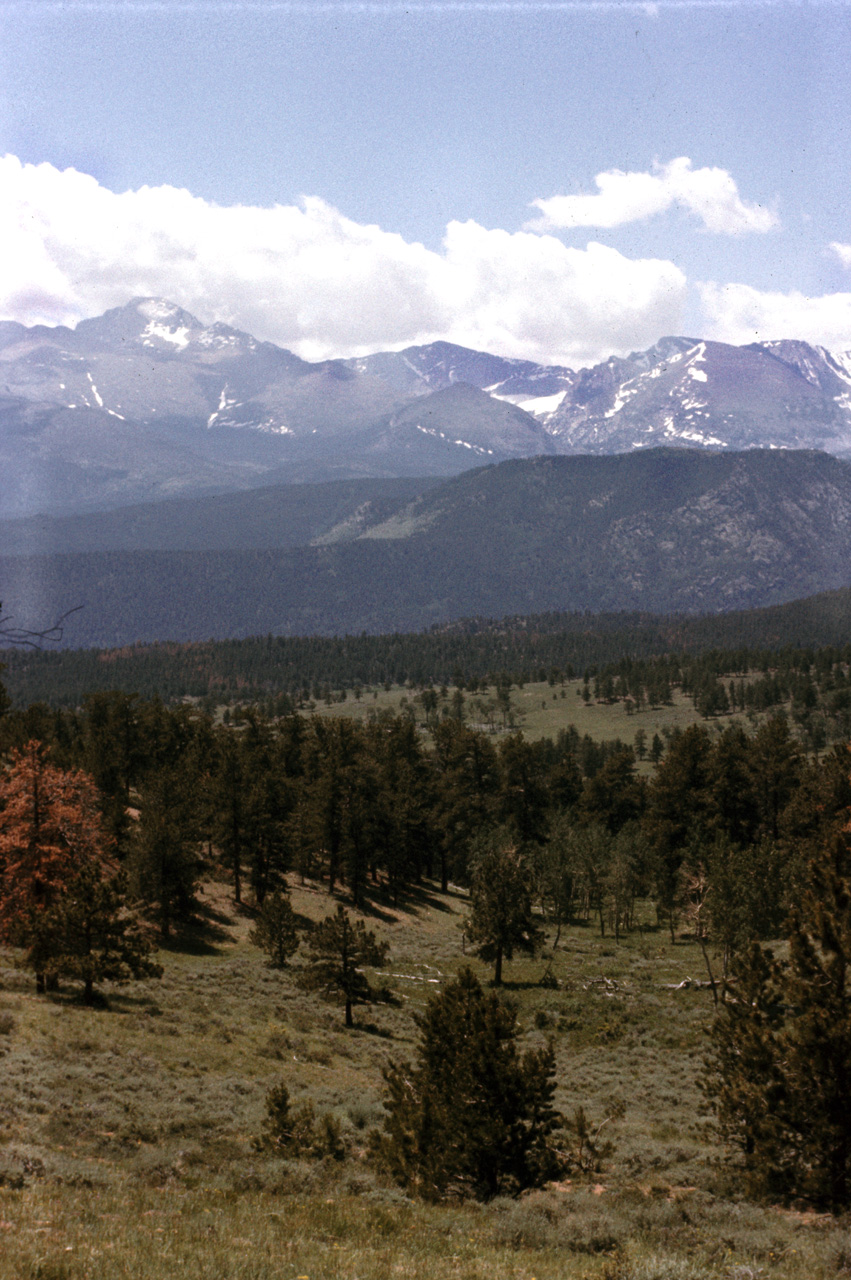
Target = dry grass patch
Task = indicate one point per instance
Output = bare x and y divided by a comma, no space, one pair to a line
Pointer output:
127,1131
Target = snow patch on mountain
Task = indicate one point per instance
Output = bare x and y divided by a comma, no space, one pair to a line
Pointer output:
95,391
441,435
178,337
539,406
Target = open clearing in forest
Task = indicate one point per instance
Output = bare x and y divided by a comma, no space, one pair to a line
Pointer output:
542,710
127,1130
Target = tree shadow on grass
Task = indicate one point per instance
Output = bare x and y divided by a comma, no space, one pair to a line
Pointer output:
413,900
205,934
373,1029
510,987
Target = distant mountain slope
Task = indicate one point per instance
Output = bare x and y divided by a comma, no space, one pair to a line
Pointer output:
662,531
146,402
713,395
682,391
418,370
274,517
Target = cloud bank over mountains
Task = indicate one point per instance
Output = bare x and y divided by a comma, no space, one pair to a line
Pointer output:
312,280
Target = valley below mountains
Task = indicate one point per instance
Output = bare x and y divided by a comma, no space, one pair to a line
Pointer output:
660,530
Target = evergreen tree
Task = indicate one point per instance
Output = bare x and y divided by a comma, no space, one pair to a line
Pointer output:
338,949
472,1117
50,829
229,803
113,755
615,795
5,700
679,812
266,805
275,931
776,769
780,1071
558,874
501,920
403,835
165,860
297,1131
319,821
466,794
89,935
523,797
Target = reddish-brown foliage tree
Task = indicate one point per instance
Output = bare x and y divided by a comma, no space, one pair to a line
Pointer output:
50,828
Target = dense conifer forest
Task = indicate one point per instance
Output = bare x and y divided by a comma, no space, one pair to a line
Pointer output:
517,647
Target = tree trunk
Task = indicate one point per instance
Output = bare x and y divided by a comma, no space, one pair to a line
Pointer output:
712,982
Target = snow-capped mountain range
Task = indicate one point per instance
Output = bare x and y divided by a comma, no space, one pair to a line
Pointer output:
146,402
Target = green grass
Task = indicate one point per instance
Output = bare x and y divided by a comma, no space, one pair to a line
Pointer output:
126,1131
540,710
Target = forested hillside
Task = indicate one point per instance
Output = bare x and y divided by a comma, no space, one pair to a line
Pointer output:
661,530
519,648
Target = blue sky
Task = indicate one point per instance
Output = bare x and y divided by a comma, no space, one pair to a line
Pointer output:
345,178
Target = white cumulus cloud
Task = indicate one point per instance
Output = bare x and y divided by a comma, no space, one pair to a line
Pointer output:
843,252
315,281
737,313
709,193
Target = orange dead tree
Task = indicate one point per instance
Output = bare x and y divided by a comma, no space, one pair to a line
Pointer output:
50,829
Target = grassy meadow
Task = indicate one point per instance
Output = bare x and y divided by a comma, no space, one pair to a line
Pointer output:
541,710
127,1129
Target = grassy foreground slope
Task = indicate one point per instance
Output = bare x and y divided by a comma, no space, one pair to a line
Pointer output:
127,1130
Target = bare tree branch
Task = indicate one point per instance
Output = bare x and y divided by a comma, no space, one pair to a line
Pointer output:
22,638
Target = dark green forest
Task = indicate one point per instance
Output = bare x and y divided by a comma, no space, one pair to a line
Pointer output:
519,648
372,808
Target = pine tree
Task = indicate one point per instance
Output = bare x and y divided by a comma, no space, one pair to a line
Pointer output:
229,806
89,935
338,950
275,931
165,861
298,1131
500,920
779,1075
114,755
466,793
472,1117
50,829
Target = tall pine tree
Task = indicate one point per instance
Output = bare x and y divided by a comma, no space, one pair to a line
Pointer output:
339,949
501,920
50,829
